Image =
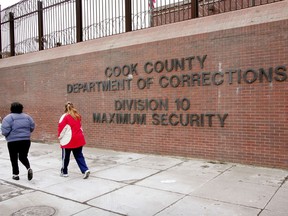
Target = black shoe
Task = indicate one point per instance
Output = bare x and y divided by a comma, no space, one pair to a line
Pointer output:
30,174
15,177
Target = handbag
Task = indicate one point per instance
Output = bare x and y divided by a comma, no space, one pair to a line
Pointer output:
65,135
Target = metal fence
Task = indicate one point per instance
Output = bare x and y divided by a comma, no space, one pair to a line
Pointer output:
33,25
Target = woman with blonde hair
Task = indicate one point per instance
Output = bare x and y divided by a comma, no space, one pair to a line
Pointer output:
72,139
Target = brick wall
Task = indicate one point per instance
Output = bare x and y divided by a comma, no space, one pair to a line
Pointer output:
212,88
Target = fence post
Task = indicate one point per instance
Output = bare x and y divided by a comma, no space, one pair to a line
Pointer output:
12,36
194,9
128,15
79,31
151,19
0,35
40,25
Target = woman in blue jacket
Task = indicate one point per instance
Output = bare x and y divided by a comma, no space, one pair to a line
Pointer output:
17,128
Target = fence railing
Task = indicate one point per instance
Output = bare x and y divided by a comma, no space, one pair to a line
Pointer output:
33,25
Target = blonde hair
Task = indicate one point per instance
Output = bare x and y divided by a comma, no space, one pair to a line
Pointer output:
69,108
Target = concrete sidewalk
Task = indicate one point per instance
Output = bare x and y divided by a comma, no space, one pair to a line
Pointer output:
137,184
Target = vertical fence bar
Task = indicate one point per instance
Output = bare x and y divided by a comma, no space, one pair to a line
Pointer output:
79,18
12,34
151,20
0,35
194,8
40,25
128,15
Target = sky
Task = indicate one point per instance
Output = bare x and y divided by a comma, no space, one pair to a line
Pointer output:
6,3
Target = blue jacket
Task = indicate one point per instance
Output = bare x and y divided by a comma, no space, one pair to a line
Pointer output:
17,127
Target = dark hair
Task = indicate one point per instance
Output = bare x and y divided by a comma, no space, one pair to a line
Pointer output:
16,107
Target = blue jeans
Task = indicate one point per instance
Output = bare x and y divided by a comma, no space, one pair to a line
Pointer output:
78,155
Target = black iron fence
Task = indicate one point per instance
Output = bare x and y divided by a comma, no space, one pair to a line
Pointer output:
33,25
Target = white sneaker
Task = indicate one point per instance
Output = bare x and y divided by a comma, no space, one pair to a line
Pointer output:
64,175
86,174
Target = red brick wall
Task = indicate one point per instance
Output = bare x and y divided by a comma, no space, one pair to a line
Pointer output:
254,130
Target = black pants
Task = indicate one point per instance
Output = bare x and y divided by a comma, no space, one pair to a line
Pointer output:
19,149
